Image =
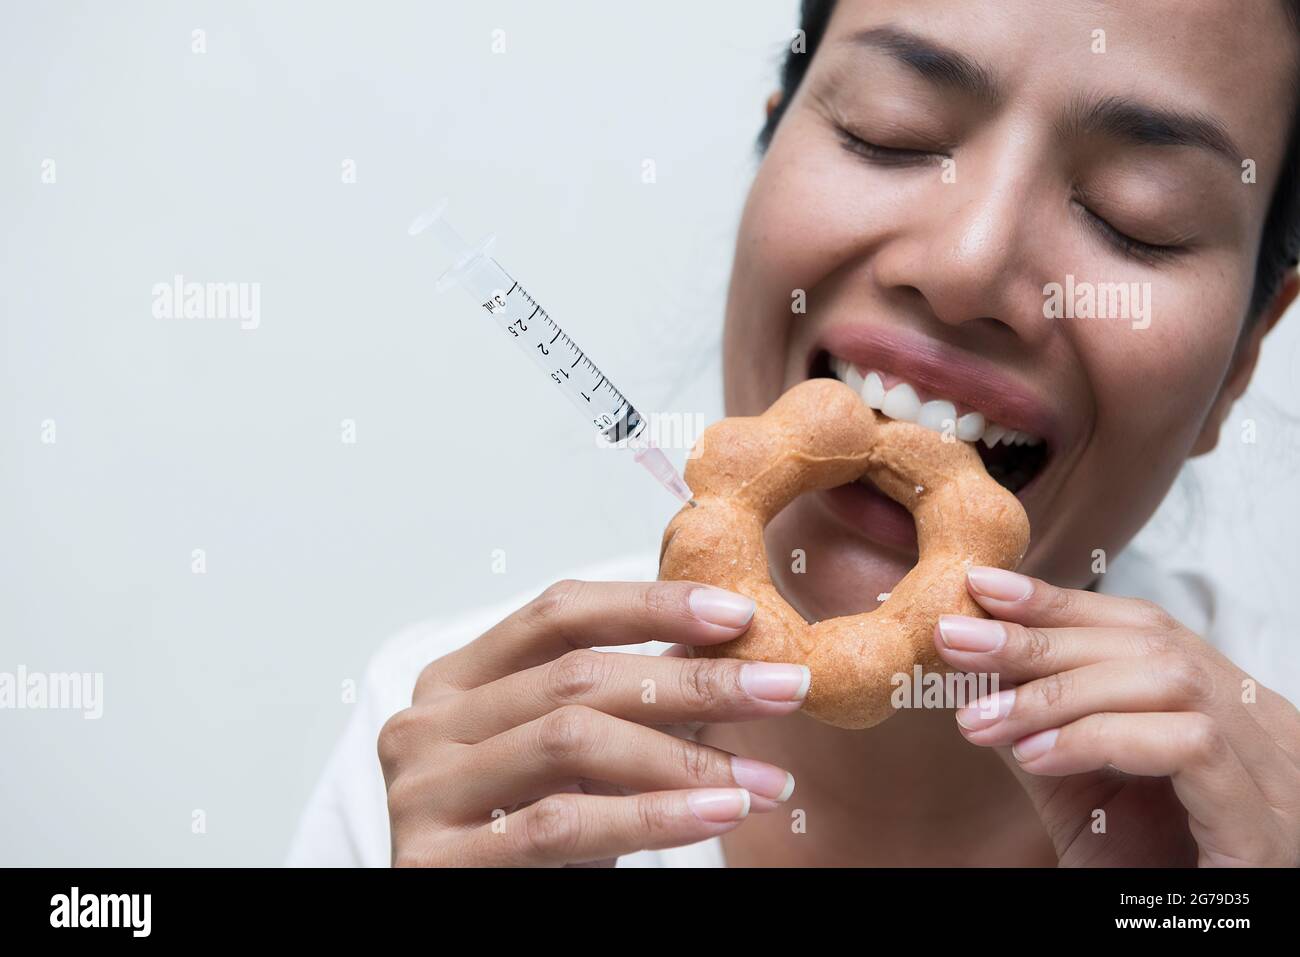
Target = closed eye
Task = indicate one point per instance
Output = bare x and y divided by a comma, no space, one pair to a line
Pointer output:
1150,253
884,155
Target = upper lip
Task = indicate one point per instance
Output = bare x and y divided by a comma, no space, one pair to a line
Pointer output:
946,372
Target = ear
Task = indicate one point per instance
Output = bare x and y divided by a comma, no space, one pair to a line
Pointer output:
773,102
1243,364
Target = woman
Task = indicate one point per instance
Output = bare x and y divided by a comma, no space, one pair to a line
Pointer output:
933,170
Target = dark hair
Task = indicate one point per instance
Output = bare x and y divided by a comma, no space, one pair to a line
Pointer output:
1279,243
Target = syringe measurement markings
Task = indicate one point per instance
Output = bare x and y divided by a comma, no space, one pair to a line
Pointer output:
623,406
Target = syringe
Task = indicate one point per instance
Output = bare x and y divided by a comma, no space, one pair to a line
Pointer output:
555,353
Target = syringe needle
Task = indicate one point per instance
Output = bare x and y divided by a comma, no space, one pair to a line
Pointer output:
653,460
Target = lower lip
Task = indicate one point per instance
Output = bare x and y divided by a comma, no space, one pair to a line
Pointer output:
872,514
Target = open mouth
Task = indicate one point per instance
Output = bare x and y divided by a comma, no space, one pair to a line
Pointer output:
1012,457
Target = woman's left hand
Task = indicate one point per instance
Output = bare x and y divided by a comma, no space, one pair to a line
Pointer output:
1137,741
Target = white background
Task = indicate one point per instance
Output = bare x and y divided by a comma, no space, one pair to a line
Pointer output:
223,690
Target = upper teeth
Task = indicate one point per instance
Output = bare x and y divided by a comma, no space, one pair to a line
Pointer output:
902,402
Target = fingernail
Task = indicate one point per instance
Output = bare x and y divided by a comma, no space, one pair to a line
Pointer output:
764,780
720,607
771,682
962,633
1034,746
719,805
987,711
999,583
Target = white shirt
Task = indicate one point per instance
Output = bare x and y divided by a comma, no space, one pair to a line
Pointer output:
345,822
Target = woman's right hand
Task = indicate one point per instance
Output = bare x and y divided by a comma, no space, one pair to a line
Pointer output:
526,747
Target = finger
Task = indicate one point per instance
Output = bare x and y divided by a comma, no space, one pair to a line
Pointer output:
573,614
1271,711
688,731
1225,807
1045,612
1011,596
576,744
1019,653
574,829
682,729
645,688
1167,682
1164,683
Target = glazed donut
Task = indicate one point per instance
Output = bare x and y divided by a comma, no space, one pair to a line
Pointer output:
818,435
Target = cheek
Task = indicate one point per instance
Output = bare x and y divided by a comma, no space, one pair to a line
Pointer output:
781,247
813,206
800,225
1155,385
775,250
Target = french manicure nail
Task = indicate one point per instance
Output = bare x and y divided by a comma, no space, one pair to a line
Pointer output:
987,711
772,682
999,584
720,607
719,805
1034,746
764,780
962,633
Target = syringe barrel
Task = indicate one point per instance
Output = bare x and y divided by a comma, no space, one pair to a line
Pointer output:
481,278
550,349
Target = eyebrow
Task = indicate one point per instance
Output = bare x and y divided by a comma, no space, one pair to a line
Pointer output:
1147,125
938,64
1121,117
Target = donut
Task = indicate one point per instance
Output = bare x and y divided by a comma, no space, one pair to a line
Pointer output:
819,434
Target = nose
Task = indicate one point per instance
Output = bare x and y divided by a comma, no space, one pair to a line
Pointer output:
969,254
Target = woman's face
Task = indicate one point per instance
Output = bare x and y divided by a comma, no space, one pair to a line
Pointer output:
942,163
